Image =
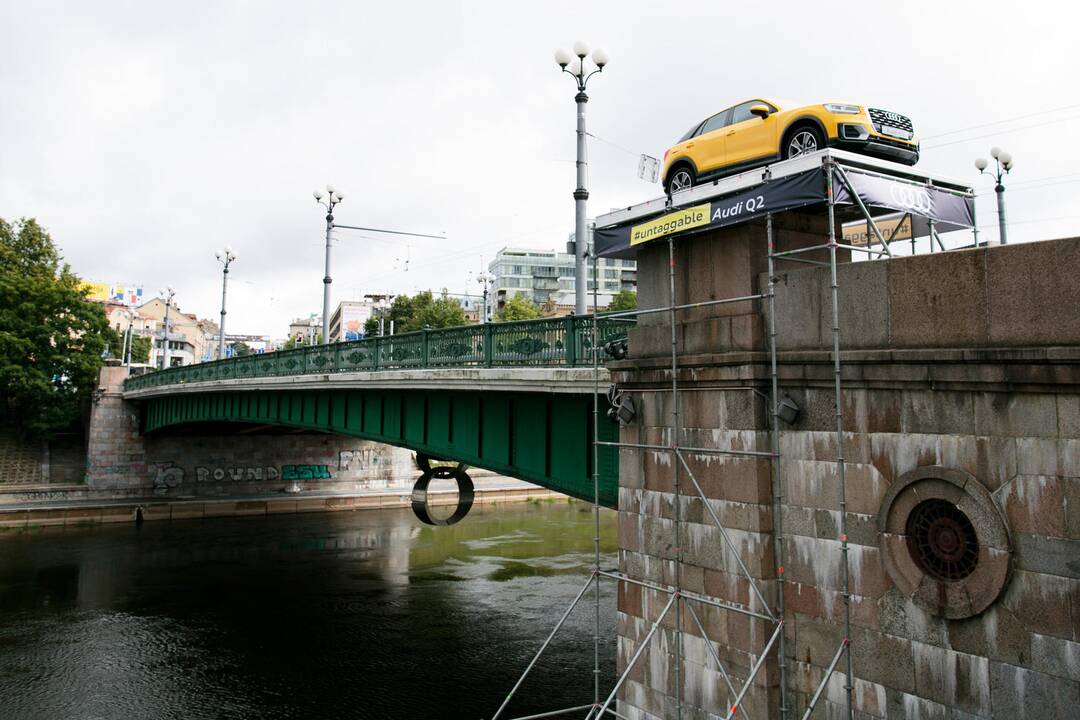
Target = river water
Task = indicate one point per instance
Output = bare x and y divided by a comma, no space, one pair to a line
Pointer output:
366,614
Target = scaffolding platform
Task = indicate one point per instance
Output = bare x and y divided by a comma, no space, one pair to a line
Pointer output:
866,189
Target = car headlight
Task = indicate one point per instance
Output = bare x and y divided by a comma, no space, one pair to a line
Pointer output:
843,108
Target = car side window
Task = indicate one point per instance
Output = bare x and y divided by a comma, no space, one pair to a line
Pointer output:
741,113
716,122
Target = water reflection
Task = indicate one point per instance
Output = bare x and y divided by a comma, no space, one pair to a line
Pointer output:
364,615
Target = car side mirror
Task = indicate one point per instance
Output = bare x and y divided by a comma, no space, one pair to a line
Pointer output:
760,110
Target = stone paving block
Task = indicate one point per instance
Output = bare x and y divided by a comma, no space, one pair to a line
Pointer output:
1036,456
937,412
1041,602
1055,656
46,518
14,518
1019,693
82,515
1054,556
1068,416
220,508
1015,415
1069,457
185,510
951,678
1030,312
997,634
901,617
284,506
938,301
117,513
1035,504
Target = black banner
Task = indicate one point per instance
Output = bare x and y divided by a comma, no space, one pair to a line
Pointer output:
770,197
954,211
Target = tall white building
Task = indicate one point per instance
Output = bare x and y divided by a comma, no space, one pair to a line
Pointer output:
548,275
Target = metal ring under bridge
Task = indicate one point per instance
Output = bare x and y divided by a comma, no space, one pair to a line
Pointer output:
421,500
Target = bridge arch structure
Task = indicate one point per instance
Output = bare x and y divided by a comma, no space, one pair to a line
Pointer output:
525,408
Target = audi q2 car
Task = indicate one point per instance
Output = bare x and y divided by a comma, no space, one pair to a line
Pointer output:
757,132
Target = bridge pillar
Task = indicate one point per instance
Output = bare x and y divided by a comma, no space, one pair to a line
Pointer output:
960,419
721,377
115,451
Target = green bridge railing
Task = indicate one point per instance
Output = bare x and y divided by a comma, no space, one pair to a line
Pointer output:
565,342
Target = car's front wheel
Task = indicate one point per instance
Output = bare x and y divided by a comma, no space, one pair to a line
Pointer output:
802,141
681,179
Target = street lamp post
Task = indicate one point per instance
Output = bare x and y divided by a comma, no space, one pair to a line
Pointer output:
1003,163
167,292
485,279
225,256
575,68
328,200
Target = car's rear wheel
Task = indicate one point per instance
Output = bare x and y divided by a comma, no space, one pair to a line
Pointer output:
682,178
802,141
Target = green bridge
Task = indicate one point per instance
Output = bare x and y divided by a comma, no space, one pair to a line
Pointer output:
515,398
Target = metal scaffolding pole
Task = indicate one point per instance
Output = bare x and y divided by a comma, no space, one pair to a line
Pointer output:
774,464
595,348
838,400
675,439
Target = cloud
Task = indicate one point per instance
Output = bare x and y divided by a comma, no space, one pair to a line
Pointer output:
147,135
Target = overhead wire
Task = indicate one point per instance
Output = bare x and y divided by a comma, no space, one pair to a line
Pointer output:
1002,122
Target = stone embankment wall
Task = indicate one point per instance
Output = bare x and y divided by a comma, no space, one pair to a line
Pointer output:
961,411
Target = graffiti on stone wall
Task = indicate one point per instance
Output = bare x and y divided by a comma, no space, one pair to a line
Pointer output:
236,474
305,472
168,476
363,459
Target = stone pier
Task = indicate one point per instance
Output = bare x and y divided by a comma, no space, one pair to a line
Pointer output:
227,460
961,411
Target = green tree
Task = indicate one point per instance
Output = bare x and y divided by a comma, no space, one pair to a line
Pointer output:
240,349
51,338
140,349
623,300
518,307
417,312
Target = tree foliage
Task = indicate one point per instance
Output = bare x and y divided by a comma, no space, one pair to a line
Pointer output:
51,337
240,348
623,300
140,349
518,307
417,312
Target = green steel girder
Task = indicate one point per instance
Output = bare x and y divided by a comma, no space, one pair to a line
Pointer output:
543,438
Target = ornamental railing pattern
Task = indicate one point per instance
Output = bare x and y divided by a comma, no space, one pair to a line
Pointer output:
565,342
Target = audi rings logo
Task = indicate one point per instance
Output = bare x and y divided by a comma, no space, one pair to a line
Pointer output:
911,198
892,115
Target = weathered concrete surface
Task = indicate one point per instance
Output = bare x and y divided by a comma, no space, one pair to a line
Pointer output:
966,365
527,379
1012,296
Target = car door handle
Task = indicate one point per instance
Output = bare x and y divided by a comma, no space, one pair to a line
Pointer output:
730,132
689,145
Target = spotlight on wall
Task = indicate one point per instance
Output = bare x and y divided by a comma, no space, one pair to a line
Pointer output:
617,349
622,408
788,410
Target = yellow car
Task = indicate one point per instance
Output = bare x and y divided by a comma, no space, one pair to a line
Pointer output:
757,132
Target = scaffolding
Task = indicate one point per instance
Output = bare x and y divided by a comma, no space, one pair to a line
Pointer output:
681,601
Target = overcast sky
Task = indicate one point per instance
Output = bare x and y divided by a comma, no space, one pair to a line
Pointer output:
146,135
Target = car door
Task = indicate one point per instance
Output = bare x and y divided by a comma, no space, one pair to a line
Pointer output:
749,137
706,149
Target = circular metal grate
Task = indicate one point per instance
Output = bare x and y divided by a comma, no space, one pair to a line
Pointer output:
942,540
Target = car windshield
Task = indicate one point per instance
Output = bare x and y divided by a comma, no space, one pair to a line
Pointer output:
689,133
